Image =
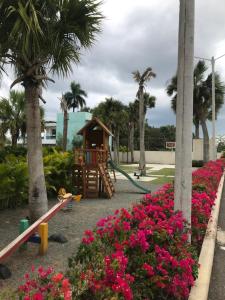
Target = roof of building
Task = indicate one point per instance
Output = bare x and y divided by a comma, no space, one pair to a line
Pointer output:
92,123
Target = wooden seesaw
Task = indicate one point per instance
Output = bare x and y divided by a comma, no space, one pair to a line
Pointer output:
40,225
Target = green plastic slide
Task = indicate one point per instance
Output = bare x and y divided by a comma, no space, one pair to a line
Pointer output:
115,167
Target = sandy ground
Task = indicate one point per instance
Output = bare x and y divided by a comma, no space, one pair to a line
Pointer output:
71,224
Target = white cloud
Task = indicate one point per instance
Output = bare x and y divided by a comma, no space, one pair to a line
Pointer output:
135,35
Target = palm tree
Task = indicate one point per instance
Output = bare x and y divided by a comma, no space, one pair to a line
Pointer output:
36,38
141,79
202,100
12,114
75,98
132,110
64,107
199,73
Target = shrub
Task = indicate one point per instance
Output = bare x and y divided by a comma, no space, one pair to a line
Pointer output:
143,253
45,284
58,167
14,182
18,151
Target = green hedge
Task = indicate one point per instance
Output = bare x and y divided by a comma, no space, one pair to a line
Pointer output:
14,182
18,151
58,168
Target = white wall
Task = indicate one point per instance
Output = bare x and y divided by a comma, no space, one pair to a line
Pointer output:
168,157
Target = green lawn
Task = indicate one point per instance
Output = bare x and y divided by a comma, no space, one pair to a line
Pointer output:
165,172
162,180
131,169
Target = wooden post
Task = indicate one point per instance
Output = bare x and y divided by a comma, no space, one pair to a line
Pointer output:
43,232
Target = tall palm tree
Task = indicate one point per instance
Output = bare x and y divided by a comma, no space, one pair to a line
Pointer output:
12,114
132,110
64,107
202,100
141,79
199,74
75,98
36,38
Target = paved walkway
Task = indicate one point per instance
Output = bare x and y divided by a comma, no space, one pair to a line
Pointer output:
217,284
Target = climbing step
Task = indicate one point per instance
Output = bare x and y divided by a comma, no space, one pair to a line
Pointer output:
106,180
109,178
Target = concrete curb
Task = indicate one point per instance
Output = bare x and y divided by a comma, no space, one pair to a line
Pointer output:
201,287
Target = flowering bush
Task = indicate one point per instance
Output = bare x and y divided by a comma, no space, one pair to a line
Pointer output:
143,253
44,284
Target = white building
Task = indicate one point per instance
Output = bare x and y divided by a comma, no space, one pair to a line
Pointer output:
48,136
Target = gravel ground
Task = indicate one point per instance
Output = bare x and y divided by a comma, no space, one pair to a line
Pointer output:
71,224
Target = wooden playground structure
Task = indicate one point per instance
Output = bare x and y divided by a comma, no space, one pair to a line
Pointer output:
91,175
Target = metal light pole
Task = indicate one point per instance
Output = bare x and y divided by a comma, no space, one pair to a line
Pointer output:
212,61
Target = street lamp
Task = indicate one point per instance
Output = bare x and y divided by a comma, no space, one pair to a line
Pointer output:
213,60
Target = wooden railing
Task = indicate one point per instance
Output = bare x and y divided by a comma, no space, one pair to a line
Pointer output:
90,156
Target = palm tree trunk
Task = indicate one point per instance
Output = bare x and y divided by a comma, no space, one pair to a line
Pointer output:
14,139
116,147
197,130
142,166
65,129
38,202
132,142
205,141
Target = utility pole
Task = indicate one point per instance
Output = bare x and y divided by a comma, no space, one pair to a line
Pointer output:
214,152
184,113
212,61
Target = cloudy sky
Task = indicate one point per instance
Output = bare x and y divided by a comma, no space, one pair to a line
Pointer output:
137,34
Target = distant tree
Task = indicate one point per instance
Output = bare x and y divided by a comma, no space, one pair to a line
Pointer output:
168,133
114,115
202,101
76,96
141,79
12,114
85,109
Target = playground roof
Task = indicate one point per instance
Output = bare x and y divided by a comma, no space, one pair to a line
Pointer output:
91,125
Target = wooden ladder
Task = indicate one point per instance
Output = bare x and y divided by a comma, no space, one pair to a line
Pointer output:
106,179
91,182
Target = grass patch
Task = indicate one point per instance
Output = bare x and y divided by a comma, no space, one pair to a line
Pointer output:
131,169
162,180
165,172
